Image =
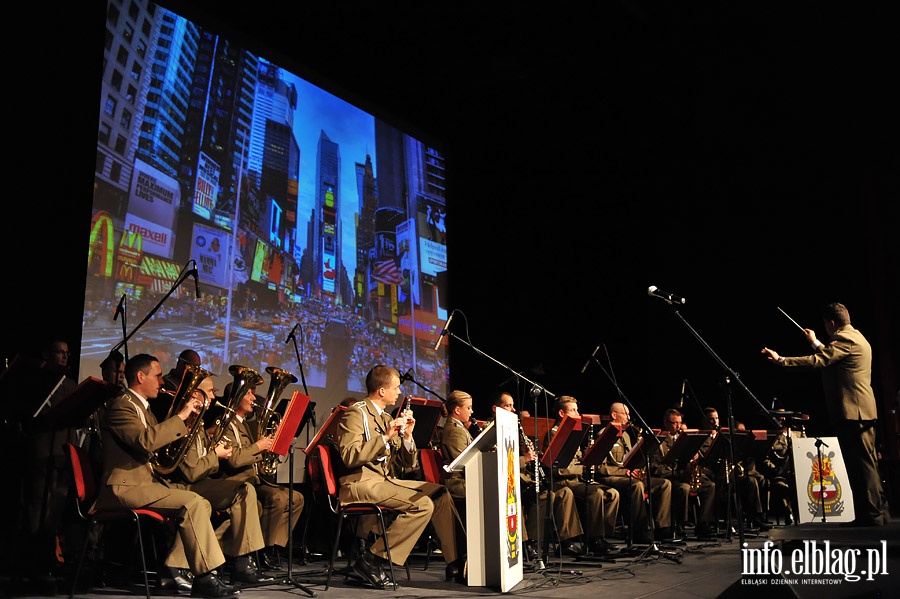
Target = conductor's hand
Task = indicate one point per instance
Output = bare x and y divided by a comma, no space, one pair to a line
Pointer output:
810,335
770,354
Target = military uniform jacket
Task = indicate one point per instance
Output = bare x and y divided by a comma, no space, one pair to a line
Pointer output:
364,453
131,435
246,455
846,363
454,439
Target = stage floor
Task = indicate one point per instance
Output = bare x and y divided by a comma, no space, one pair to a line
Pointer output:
694,570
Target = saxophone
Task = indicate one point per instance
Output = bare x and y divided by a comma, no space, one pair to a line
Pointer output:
695,476
268,419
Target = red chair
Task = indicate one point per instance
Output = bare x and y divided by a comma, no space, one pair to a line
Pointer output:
432,462
321,467
85,487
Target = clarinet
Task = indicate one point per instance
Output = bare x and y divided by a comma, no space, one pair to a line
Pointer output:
537,462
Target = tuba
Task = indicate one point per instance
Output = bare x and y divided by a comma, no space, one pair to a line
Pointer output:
244,378
268,419
166,459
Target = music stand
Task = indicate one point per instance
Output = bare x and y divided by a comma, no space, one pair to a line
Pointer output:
290,423
73,410
565,443
542,425
427,413
599,449
328,430
718,449
640,453
27,385
762,443
685,446
283,444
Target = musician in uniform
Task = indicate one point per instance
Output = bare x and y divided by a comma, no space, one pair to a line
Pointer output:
751,486
687,477
455,437
280,511
239,534
131,436
777,469
631,483
600,502
368,440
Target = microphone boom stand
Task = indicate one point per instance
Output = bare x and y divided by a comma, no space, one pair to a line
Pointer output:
645,429
731,375
536,391
182,277
290,576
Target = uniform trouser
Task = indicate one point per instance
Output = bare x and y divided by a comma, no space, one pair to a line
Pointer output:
191,511
417,504
241,534
633,489
857,439
565,514
601,505
274,515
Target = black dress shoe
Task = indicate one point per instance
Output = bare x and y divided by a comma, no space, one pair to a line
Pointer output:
705,532
244,571
572,548
367,567
456,570
209,585
268,559
176,579
600,546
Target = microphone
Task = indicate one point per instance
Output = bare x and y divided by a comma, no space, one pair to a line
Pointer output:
291,334
193,273
588,362
681,398
120,309
444,331
406,376
670,298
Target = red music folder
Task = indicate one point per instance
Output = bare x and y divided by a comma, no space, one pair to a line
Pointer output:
287,430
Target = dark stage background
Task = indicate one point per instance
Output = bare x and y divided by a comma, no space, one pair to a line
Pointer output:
743,156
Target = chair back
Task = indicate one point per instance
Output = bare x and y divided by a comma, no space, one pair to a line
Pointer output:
322,478
432,461
83,480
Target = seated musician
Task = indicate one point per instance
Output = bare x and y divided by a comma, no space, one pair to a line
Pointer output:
687,477
630,482
565,512
751,488
779,473
600,501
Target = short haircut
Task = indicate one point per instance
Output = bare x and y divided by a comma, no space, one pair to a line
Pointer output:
138,363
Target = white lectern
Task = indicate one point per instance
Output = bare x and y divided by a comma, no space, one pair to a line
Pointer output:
493,504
